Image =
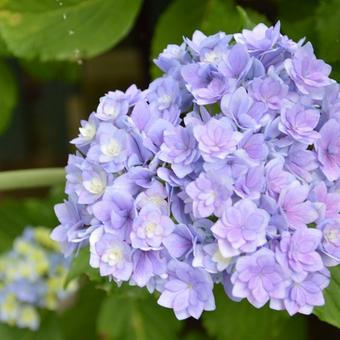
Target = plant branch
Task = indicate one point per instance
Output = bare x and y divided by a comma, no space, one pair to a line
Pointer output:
31,178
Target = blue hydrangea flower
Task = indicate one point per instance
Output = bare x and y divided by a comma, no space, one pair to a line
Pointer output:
150,228
209,195
330,243
32,278
213,174
111,255
259,278
188,291
298,252
310,75
179,149
303,294
216,139
242,228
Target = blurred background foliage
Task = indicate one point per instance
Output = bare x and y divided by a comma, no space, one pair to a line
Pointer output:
57,57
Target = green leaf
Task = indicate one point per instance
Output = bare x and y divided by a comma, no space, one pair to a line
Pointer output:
79,321
251,18
53,70
336,71
240,320
328,30
330,312
80,265
298,19
185,16
65,29
16,214
49,329
8,97
196,335
132,314
76,322
4,52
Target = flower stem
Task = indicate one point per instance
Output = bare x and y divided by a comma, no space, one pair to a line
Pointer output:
31,178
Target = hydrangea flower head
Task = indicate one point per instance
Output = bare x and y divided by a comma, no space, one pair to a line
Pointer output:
32,278
225,169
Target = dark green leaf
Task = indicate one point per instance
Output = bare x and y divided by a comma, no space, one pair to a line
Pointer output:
4,52
49,329
328,30
80,265
132,313
330,312
239,321
67,71
298,19
8,97
19,213
65,29
336,71
79,321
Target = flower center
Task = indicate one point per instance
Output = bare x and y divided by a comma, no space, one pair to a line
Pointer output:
112,149
212,57
95,186
165,100
110,111
88,131
150,229
112,256
222,262
156,200
331,235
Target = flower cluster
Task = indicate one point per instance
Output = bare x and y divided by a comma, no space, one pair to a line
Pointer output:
32,277
225,170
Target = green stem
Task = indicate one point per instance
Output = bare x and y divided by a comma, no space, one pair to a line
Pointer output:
31,178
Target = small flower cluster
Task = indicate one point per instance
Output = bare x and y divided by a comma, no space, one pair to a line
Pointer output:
32,276
225,170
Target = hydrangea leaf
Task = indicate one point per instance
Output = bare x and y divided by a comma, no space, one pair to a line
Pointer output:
53,70
209,16
49,329
330,312
80,265
336,71
240,320
67,29
328,30
79,321
75,320
19,213
132,313
9,94
3,48
298,18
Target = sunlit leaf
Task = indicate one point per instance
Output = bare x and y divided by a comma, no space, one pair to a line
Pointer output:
132,314
330,312
65,29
